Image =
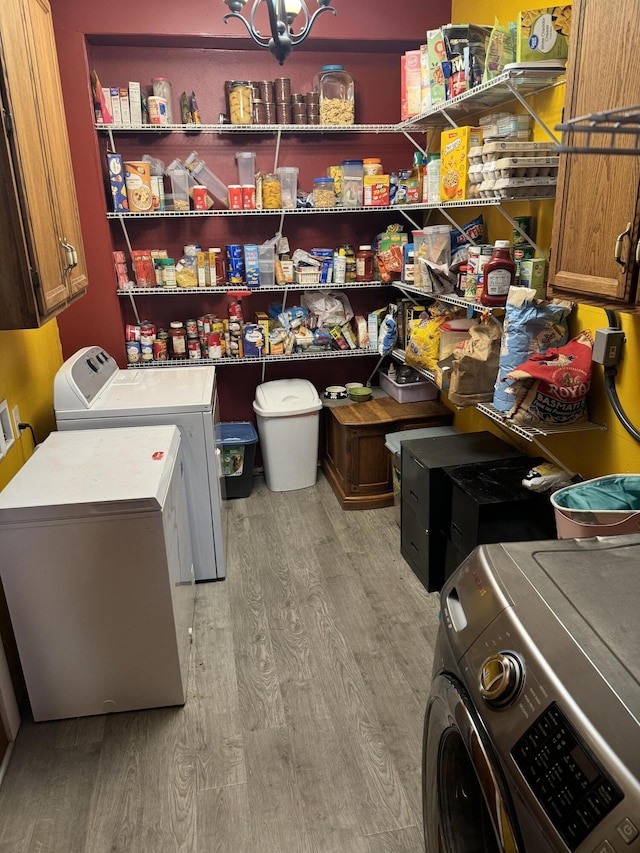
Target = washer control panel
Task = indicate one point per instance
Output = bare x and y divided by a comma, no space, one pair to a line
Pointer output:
568,781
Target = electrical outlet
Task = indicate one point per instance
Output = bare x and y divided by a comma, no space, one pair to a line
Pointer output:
15,414
607,347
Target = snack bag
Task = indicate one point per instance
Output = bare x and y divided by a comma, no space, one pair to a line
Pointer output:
552,388
529,327
423,346
501,49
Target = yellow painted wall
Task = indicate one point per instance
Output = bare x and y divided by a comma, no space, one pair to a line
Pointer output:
599,452
29,361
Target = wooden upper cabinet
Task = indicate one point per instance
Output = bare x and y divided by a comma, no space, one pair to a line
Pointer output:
598,195
39,221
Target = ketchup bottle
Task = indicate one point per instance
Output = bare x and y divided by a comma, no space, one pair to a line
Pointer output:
499,275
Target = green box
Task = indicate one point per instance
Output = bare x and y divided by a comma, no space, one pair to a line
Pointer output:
543,33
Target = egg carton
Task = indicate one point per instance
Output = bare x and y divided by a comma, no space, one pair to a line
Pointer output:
498,150
475,155
519,188
526,167
474,173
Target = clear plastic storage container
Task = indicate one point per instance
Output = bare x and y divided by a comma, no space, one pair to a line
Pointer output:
246,161
352,183
335,88
288,185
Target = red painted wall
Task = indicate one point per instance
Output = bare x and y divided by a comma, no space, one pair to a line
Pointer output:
137,39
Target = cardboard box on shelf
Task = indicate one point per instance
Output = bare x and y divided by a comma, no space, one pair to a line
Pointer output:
454,161
437,55
413,82
543,33
376,190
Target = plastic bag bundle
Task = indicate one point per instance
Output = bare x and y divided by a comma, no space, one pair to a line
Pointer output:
530,327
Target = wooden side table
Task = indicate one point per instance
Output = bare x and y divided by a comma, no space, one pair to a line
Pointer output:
355,460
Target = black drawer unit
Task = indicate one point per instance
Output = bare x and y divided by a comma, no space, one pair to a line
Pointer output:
425,501
490,504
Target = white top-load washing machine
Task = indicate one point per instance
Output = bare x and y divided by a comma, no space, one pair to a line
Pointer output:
91,392
98,573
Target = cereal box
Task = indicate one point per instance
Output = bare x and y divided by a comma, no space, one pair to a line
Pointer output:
376,190
543,33
437,55
454,161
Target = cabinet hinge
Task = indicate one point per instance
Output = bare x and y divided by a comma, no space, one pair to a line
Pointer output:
35,279
8,121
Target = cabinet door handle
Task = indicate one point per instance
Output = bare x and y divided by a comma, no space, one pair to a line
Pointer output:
71,253
638,252
618,251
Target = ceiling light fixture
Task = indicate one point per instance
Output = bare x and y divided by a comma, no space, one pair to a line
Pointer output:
282,14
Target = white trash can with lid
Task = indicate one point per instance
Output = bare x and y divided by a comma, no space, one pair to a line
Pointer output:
288,417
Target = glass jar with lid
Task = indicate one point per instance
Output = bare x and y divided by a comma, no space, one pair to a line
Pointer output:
240,102
335,88
324,194
178,335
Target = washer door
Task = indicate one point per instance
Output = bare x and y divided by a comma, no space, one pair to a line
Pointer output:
465,801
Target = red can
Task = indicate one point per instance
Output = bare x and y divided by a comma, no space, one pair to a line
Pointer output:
160,351
193,346
248,197
235,197
199,197
147,332
235,311
131,332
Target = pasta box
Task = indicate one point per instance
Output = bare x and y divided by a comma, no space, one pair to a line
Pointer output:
116,179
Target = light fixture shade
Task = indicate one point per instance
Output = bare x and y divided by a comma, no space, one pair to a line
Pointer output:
282,14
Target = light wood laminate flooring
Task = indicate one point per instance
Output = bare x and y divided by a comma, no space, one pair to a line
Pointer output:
309,675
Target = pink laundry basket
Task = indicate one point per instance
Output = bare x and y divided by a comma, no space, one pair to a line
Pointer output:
603,506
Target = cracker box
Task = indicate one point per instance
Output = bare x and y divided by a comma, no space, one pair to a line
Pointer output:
454,161
116,179
425,79
543,33
437,54
413,82
376,190
135,103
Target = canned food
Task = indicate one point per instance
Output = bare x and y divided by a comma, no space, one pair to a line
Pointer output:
215,349
147,332
199,197
192,328
146,351
193,347
235,196
133,352
160,351
131,332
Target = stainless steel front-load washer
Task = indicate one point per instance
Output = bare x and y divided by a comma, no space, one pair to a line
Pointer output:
532,729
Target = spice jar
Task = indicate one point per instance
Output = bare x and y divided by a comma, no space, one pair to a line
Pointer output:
324,194
364,264
271,192
178,335
240,102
